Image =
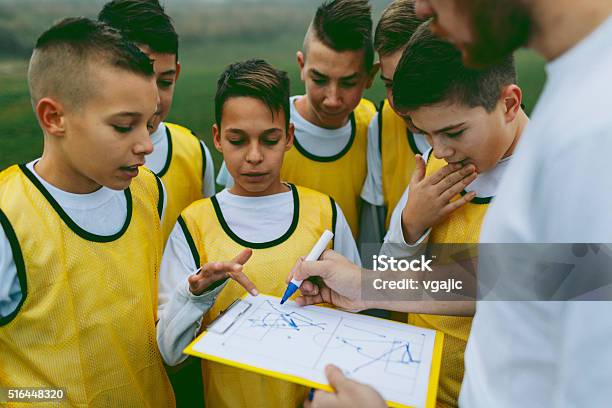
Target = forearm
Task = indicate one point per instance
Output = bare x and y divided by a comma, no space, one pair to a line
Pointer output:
448,289
180,321
433,307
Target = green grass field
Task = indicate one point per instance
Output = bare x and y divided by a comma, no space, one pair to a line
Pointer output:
271,29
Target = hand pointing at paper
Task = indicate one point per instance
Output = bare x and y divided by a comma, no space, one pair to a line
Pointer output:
212,272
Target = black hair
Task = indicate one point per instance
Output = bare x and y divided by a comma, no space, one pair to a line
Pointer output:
254,78
396,25
64,53
142,22
432,71
345,25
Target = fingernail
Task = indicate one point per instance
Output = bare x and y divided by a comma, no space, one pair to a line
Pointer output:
254,292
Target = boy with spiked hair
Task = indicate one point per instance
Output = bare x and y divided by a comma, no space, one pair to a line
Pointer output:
331,120
264,220
80,236
179,158
391,144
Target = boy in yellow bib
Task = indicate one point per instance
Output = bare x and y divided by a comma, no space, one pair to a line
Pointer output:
473,120
391,145
275,221
80,237
179,158
331,120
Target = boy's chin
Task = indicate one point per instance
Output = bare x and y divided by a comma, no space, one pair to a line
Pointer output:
255,189
117,185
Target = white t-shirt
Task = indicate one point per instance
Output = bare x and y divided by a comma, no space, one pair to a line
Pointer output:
158,158
372,187
253,219
557,189
102,212
314,139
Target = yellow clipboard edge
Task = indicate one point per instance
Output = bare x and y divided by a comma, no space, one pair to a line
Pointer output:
432,389
434,373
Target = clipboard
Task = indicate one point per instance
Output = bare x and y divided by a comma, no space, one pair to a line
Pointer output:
241,306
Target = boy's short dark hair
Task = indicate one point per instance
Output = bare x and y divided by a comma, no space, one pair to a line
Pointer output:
431,71
257,79
344,25
143,22
64,55
396,25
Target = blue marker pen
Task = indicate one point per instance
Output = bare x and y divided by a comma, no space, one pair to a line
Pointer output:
314,254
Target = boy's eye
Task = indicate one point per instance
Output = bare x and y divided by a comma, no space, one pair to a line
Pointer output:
319,81
165,84
235,142
455,134
348,84
271,142
122,129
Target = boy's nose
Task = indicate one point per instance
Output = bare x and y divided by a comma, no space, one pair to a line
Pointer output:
440,150
144,145
254,154
332,99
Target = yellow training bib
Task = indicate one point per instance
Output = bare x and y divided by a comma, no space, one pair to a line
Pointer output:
340,176
462,226
397,149
211,239
182,174
86,322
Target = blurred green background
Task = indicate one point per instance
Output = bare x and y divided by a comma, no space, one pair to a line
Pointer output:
213,34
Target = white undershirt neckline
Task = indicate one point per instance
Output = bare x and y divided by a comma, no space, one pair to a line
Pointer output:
103,212
268,226
158,160
316,140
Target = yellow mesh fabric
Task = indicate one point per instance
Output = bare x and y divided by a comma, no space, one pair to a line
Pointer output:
183,178
88,321
397,158
343,178
226,386
462,226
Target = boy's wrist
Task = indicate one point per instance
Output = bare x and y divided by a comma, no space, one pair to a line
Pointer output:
412,230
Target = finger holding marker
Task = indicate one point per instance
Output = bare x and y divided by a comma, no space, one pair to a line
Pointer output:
314,254
213,272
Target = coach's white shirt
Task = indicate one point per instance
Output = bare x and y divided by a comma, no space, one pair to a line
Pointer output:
557,189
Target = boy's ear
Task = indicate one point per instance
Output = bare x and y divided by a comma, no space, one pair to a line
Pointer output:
512,97
290,137
51,116
372,74
217,137
178,71
301,60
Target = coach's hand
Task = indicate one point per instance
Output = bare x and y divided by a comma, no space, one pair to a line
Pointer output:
429,199
338,281
214,271
348,393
